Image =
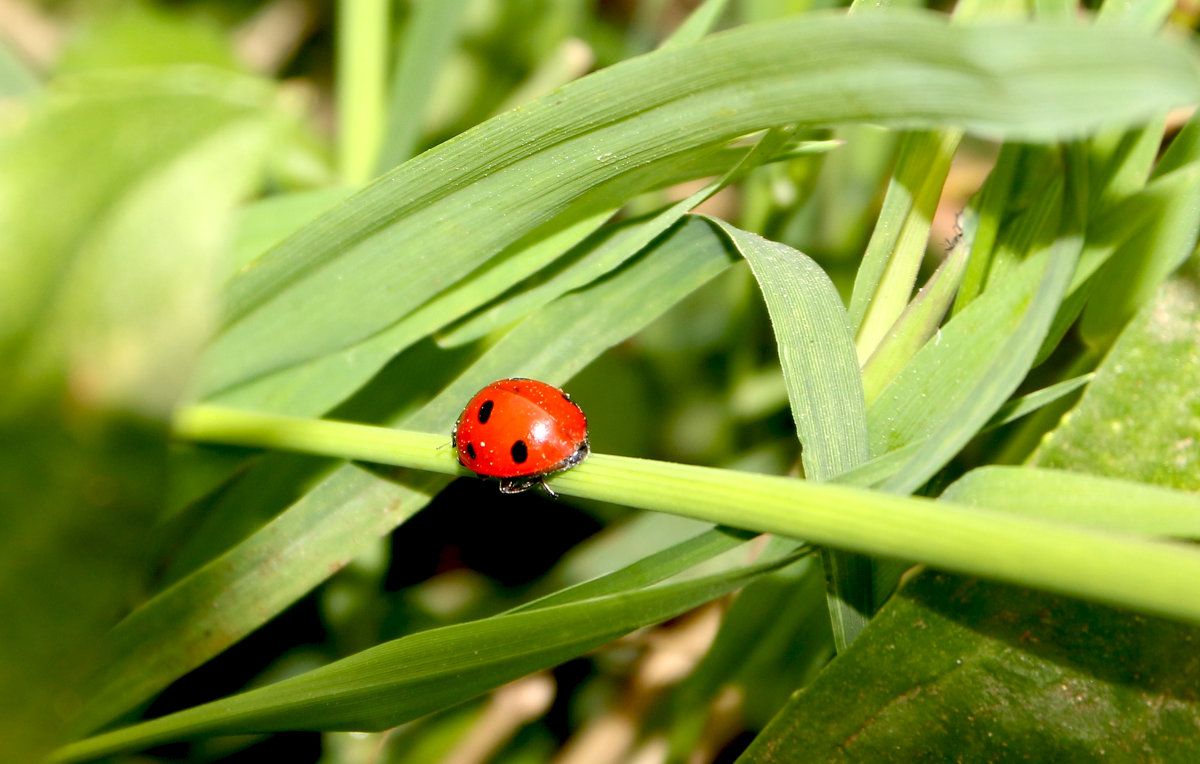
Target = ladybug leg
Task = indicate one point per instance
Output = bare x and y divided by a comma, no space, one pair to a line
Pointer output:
521,484
518,484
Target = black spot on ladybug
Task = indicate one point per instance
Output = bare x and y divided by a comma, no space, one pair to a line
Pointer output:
485,411
471,450
519,452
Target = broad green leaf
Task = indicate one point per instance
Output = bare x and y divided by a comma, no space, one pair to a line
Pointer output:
340,280
1097,502
409,677
824,386
953,665
969,643
219,603
112,290
1139,417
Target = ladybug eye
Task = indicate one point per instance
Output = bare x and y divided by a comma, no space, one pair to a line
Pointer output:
471,450
485,411
519,452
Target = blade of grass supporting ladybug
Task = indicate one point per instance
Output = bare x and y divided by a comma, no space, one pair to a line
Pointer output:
897,247
1005,371
362,51
920,320
341,279
409,677
824,385
425,43
224,600
597,260
1147,575
1105,503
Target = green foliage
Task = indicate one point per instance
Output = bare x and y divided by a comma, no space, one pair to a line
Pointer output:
181,261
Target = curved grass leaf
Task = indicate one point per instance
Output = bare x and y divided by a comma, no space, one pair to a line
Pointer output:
824,387
438,217
409,677
959,379
234,594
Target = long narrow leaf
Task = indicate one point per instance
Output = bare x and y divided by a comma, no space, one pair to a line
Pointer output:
340,280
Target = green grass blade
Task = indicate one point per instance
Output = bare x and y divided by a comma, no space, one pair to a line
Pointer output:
824,386
884,466
992,202
360,268
700,22
427,40
409,677
1136,270
1149,576
1005,371
224,600
919,321
314,387
652,569
897,248
942,374
362,30
1122,506
618,245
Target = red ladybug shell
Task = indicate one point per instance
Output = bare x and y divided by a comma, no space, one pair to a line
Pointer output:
520,430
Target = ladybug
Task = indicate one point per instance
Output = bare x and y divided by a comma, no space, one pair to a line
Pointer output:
519,431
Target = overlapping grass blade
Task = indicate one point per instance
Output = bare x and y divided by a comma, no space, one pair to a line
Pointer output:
223,601
424,46
820,369
340,280
415,675
1106,503
1005,370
